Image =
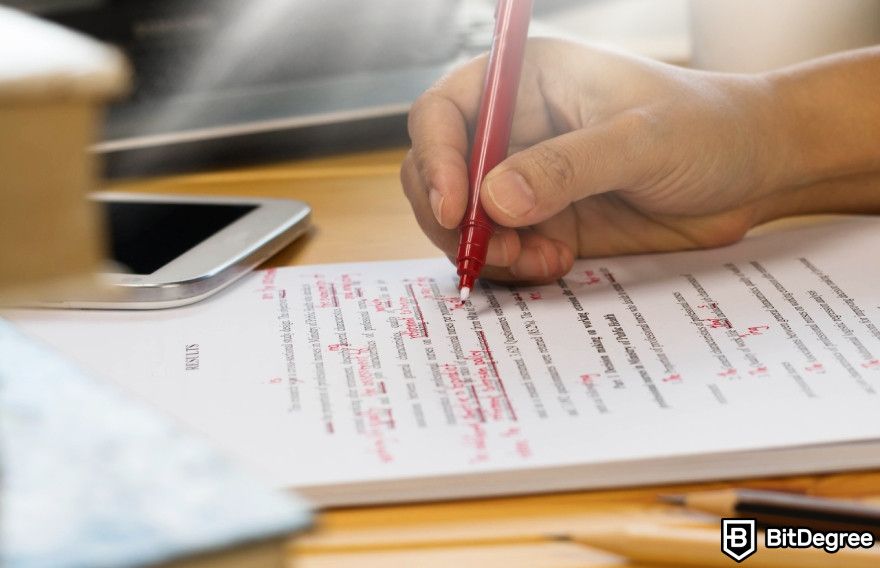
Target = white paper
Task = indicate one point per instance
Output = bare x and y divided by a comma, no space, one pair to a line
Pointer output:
339,374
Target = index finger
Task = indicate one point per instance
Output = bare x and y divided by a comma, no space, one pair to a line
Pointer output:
439,122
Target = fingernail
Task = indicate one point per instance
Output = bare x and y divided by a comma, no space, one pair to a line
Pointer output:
511,193
436,198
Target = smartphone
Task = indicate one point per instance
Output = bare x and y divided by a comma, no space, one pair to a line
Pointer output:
167,251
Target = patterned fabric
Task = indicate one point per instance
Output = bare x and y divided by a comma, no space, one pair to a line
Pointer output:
92,478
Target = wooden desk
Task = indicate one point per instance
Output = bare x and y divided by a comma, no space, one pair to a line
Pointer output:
361,214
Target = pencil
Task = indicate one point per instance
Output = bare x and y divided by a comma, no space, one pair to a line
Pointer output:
777,509
688,546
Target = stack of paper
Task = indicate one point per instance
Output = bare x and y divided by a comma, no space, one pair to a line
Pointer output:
368,383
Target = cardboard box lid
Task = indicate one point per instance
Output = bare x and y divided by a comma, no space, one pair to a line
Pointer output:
40,60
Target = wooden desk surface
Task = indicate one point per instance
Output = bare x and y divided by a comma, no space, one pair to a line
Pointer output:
360,214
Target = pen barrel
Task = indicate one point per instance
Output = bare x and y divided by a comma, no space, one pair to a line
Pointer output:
492,133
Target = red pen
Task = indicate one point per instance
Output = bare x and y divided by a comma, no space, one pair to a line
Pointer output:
492,134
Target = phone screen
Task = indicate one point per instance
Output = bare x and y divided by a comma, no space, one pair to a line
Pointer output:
144,237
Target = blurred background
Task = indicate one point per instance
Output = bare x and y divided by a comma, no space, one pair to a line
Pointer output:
224,82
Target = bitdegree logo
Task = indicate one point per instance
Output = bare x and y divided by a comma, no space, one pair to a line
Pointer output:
801,537
739,538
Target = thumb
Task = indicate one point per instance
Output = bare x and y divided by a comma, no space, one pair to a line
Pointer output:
542,180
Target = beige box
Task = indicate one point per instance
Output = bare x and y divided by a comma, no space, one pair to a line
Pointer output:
53,85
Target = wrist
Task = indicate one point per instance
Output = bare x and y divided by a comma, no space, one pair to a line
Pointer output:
826,114
802,162
775,156
760,122
781,165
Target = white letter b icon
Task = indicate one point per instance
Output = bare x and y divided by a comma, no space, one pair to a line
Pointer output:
739,537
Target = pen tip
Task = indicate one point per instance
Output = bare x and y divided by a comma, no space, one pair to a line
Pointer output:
672,499
465,293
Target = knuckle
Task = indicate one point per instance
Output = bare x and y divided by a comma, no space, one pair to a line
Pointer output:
417,166
422,167
407,176
638,120
555,165
416,110
641,129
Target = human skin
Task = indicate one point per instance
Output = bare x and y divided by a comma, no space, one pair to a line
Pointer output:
614,154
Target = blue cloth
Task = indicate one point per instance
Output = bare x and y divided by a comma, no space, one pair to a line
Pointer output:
93,478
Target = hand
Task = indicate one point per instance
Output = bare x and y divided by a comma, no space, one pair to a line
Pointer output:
609,154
